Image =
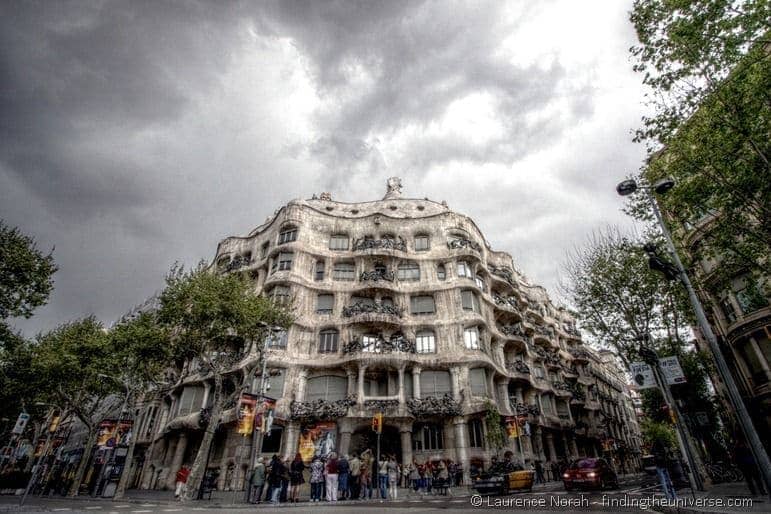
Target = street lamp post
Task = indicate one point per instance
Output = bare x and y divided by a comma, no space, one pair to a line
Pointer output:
628,187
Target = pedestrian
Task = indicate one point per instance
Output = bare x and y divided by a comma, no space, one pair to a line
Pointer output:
257,480
296,478
659,451
538,468
285,481
181,481
275,478
355,470
414,476
393,477
331,469
555,471
745,461
317,479
343,472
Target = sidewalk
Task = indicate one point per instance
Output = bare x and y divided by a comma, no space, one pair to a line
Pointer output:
721,499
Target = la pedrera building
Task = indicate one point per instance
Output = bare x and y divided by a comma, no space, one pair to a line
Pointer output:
402,307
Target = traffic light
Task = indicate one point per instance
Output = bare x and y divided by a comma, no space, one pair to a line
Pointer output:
377,423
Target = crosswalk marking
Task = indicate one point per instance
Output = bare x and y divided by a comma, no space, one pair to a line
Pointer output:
61,509
171,510
95,507
140,511
122,506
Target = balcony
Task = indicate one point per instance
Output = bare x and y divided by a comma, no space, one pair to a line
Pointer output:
433,406
375,308
397,343
377,275
321,409
522,409
514,330
238,262
507,303
463,243
518,366
504,273
580,354
386,243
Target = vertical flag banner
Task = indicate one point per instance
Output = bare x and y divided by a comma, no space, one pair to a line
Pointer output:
247,407
512,427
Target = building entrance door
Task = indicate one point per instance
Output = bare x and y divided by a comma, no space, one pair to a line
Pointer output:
390,441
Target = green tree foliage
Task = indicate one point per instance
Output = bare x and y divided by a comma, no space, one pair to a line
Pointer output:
69,362
216,321
653,431
618,299
707,65
25,275
495,433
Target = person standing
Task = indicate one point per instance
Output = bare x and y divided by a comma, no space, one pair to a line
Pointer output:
659,451
382,478
317,479
296,478
258,481
332,470
343,472
181,481
354,485
275,478
745,461
365,481
538,467
393,477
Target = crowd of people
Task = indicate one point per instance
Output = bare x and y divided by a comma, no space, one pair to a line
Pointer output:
347,477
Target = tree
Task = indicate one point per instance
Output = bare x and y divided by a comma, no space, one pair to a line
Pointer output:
707,65
25,276
496,435
215,321
141,346
71,361
653,431
618,299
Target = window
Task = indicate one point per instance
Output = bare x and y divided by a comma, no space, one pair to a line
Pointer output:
338,242
422,305
277,340
287,235
539,373
328,341
469,301
318,271
190,401
471,338
464,269
271,441
749,297
408,271
285,261
344,271
425,342
422,243
369,343
480,282
478,381
329,387
441,272
435,383
280,294
274,386
428,437
475,439
325,303
264,249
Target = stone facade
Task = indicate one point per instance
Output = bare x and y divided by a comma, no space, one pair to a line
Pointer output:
403,308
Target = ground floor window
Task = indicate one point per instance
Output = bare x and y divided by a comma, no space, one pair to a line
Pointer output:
271,443
428,436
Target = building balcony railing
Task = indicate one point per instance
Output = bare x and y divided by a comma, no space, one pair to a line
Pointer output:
321,409
433,406
386,243
523,409
580,354
371,308
377,275
459,242
510,303
238,262
395,343
515,329
385,405
518,366
504,272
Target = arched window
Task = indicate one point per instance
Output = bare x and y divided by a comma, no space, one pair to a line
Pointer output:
287,235
425,342
328,340
464,269
280,294
408,271
427,436
475,434
422,243
478,381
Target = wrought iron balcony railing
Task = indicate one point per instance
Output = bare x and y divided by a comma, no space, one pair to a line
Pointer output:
459,242
377,275
519,366
433,406
386,243
371,308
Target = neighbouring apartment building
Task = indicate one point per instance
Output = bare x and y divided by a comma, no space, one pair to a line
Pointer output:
402,307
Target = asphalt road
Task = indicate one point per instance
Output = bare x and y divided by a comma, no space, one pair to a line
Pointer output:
555,501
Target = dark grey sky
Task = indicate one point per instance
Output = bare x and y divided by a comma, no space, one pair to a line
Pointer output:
136,134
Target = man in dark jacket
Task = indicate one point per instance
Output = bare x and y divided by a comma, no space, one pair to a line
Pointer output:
745,461
275,478
660,451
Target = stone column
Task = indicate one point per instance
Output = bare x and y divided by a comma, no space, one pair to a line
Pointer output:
401,387
566,445
153,461
345,442
455,382
406,435
352,385
538,443
302,384
503,396
291,439
176,463
574,447
461,447
360,393
416,382
550,445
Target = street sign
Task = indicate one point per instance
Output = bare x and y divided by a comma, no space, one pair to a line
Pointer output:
642,374
21,423
672,371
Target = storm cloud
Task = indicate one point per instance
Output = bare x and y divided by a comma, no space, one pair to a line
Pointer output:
134,135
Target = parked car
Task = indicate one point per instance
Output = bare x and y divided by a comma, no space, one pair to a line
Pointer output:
589,473
504,482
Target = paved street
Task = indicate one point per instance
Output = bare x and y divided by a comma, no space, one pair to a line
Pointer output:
548,498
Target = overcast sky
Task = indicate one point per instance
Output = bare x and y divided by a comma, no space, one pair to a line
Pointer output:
133,135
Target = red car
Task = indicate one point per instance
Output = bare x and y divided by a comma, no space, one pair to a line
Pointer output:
589,473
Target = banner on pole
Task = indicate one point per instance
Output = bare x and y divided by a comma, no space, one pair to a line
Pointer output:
21,423
247,407
642,374
265,414
672,371
317,440
513,429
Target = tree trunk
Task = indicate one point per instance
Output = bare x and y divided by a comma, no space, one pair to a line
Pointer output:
124,476
84,461
197,472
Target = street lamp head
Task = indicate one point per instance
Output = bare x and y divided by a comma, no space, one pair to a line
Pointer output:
663,185
626,187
